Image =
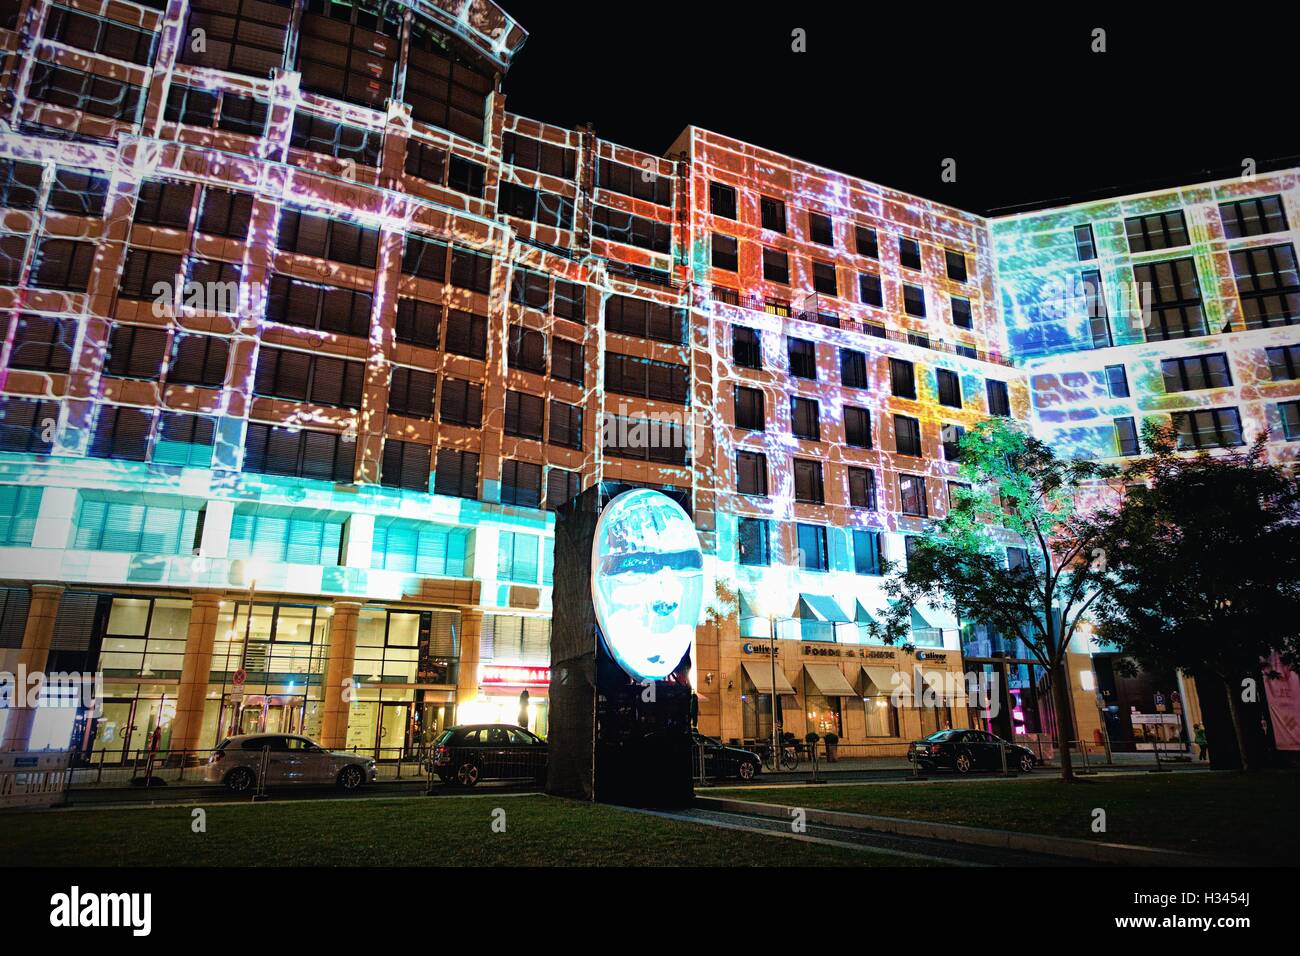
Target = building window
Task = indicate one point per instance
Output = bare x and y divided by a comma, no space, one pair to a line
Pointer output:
185,440
824,278
772,214
78,192
805,418
909,253
349,52
405,465
63,264
304,377
300,453
961,313
867,556
462,403
811,539
109,525
517,557
526,350
530,289
1116,381
411,392
418,323
456,474
902,378
751,473
164,203
999,399
865,242
955,262
524,414
820,229
1208,428
803,358
1126,437
1269,285
27,426
198,360
87,92
567,364
1094,300
121,432
951,436
466,334
776,266
471,270
752,535
1084,245
570,301
914,301
550,209
561,486
644,319
467,177
443,88
862,488
725,254
853,369
949,387
317,135
521,484
647,378
1196,372
1161,230
20,184
749,408
869,289
722,200
857,427
43,343
637,183
907,436
911,493
322,238
419,547
1252,217
243,36
1289,412
808,481
225,213
1284,363
135,351
565,425
746,350
424,258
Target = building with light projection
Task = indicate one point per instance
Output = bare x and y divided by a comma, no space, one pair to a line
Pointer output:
299,318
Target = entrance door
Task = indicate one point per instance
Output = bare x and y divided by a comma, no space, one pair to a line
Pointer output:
113,730
390,737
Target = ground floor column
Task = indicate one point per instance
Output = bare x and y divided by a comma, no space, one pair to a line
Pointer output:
471,630
338,692
32,658
191,695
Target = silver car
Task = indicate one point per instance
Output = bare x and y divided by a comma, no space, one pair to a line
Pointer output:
237,762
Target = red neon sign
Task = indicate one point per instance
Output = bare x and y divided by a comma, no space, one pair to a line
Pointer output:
516,675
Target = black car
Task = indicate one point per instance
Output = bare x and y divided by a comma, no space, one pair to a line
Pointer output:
967,750
462,756
722,760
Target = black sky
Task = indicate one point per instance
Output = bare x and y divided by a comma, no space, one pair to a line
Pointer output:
1030,114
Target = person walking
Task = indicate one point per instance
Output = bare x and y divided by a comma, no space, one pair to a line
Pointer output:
1202,742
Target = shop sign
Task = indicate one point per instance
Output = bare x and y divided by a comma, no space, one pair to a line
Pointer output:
931,656
749,647
498,675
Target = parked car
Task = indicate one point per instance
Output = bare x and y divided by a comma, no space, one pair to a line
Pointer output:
723,760
462,756
967,750
292,760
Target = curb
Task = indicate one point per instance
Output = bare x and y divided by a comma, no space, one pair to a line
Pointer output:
1122,854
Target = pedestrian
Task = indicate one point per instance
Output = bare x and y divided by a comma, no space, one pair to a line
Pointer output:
522,719
1202,742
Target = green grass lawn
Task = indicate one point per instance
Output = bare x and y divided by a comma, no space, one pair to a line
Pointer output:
1246,817
540,831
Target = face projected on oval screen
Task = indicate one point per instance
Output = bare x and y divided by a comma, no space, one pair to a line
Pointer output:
647,582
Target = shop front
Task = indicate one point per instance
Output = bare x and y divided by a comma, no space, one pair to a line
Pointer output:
511,694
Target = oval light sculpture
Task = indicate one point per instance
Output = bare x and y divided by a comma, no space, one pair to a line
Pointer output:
647,582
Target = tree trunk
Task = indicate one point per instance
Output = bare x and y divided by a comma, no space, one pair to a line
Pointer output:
1064,719
1234,710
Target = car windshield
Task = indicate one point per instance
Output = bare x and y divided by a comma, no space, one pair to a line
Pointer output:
442,738
941,735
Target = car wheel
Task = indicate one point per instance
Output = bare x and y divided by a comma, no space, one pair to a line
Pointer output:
467,775
239,780
1026,763
747,770
350,778
964,763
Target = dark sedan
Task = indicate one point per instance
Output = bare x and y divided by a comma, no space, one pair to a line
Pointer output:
722,760
967,750
462,756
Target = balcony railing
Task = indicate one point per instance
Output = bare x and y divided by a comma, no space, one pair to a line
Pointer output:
814,309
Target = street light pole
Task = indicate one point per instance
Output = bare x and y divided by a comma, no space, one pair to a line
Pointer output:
771,653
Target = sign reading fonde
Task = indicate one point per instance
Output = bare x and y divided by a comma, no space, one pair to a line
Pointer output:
647,582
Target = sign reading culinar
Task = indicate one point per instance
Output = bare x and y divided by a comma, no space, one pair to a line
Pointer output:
647,582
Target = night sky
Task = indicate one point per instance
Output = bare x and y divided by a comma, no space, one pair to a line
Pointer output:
1030,114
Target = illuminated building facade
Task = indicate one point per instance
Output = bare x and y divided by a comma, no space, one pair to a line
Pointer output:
298,316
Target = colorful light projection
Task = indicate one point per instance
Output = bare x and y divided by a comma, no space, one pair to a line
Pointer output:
647,582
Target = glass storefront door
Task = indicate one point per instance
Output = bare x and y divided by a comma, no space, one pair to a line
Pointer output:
393,720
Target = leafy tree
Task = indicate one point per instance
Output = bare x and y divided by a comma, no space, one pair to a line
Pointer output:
1020,494
1203,564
